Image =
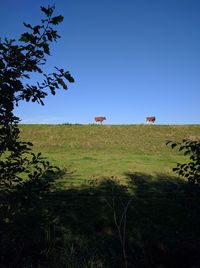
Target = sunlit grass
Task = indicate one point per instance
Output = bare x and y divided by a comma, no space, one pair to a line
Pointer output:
109,150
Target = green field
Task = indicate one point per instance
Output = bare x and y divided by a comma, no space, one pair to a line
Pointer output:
121,185
93,151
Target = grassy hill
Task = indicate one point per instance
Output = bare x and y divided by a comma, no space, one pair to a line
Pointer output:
154,222
109,150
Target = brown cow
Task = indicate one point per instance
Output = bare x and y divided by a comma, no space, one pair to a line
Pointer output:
99,119
150,119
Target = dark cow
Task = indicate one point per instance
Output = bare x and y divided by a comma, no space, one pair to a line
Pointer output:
99,119
150,119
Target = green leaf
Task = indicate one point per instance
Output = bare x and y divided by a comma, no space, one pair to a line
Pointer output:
27,37
168,142
52,90
62,83
173,145
27,25
68,76
36,29
47,11
46,48
56,20
49,36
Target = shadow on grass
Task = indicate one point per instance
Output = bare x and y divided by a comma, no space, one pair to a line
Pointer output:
76,227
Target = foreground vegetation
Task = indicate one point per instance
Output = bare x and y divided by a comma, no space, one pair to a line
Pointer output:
90,227
120,207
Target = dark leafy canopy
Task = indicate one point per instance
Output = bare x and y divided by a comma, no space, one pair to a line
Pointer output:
18,60
190,170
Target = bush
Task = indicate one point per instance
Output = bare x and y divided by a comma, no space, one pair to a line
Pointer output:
191,169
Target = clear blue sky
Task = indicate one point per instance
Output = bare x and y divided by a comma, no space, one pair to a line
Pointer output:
130,59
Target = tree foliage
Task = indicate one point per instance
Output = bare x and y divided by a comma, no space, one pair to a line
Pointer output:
191,169
19,59
25,176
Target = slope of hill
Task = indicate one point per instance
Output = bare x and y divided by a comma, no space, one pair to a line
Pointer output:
105,150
